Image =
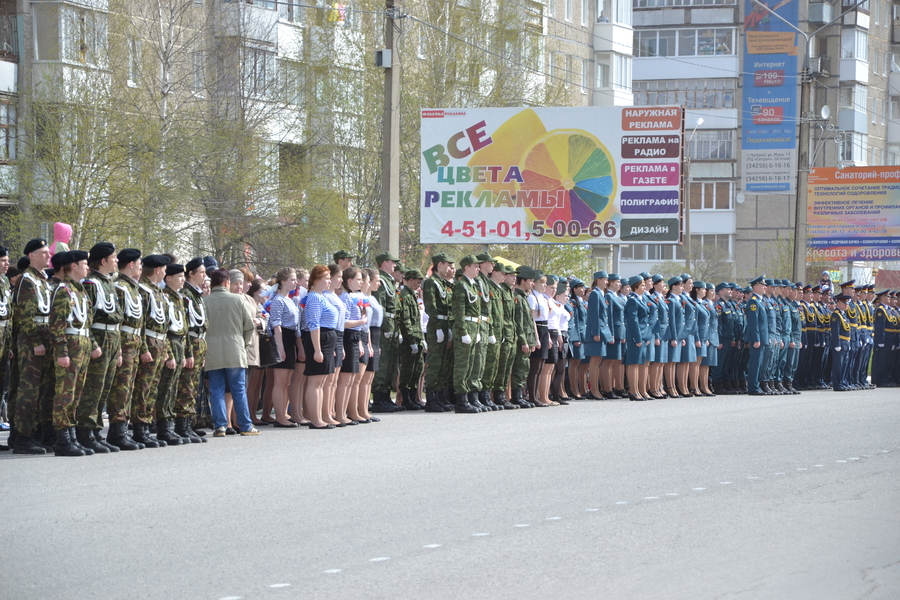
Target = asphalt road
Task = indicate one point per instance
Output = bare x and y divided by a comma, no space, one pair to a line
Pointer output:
790,497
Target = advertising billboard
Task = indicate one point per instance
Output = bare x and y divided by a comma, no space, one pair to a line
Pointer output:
769,103
551,175
854,214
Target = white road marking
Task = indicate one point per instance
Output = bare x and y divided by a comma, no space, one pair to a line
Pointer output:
379,559
802,469
554,518
432,546
819,466
651,497
885,451
671,493
480,534
332,571
853,458
699,489
231,598
280,585
779,473
522,525
622,502
591,509
840,461
725,483
752,477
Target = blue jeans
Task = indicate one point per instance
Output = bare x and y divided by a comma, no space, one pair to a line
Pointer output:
238,391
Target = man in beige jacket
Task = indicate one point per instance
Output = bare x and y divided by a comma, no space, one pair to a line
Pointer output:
230,332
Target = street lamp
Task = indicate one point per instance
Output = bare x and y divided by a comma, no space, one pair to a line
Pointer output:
687,205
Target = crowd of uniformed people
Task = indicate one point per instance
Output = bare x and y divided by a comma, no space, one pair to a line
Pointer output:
125,335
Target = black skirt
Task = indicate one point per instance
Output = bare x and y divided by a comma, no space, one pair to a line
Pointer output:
351,351
553,348
327,342
375,336
288,337
544,338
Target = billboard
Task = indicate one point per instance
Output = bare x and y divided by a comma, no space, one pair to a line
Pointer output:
853,214
551,175
769,103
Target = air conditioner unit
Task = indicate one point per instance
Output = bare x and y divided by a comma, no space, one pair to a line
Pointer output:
383,59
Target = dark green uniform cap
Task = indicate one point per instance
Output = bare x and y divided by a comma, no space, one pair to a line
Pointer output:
441,257
468,259
484,257
508,269
385,256
413,274
526,272
341,254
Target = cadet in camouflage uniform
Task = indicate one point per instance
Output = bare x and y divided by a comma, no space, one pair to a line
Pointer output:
526,336
34,393
466,316
168,381
502,314
106,313
189,382
5,321
412,350
386,295
70,321
157,355
131,347
486,346
437,294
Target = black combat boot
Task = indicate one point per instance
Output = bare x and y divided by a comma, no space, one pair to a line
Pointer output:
519,400
142,436
381,403
85,438
74,437
780,388
789,386
25,444
473,400
65,445
500,400
189,427
118,437
447,400
432,404
409,400
98,437
47,436
463,406
167,435
182,429
484,397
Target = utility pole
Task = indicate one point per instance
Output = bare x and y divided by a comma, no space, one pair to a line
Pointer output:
799,271
390,144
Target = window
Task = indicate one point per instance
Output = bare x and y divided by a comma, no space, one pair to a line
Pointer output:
532,50
855,44
711,195
84,36
602,76
655,3
692,93
874,111
585,79
690,42
893,154
7,132
534,15
895,107
46,31
585,11
294,81
289,10
621,75
712,144
134,61
855,97
568,10
853,148
651,252
270,4
575,72
198,80
708,247
259,72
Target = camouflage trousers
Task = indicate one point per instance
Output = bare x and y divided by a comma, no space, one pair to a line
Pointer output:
480,349
505,358
101,373
143,399
439,370
5,334
411,366
521,364
189,381
70,380
464,380
118,405
491,363
34,390
168,383
387,365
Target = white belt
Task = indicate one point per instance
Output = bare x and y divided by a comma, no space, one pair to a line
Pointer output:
473,319
199,336
4,323
73,331
131,330
387,314
442,317
485,319
105,327
153,334
42,319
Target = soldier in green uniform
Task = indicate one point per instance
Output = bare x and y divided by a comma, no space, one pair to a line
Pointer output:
33,400
158,353
437,294
343,259
466,317
386,295
526,336
412,350
189,381
131,347
503,308
70,321
487,347
181,351
106,318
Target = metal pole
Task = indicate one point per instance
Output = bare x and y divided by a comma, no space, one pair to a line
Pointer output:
799,270
390,145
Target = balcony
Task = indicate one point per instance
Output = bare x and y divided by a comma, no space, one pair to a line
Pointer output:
613,37
247,22
853,120
854,69
820,12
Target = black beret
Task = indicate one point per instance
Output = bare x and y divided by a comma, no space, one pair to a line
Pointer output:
56,261
72,256
128,255
193,264
4,251
23,263
210,263
35,244
101,250
174,269
155,261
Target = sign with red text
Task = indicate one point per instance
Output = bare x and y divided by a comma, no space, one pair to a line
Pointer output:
551,175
